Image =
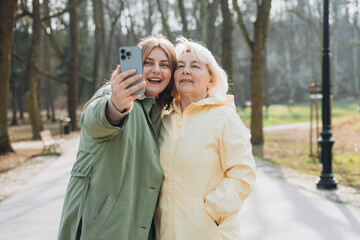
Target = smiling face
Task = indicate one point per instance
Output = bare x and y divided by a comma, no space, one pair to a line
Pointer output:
192,78
157,72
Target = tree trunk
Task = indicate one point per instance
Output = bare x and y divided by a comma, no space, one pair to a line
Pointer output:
31,100
289,71
355,52
114,16
183,18
164,21
73,67
7,19
149,23
47,67
257,61
211,30
98,71
256,89
257,47
13,96
203,20
227,43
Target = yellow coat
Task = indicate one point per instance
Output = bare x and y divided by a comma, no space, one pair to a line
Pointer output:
209,171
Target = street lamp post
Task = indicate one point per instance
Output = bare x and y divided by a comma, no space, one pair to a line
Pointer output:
326,142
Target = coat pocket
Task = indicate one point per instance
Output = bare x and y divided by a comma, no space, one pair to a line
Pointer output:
192,221
229,229
101,218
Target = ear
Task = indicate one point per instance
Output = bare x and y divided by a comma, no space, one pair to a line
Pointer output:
211,82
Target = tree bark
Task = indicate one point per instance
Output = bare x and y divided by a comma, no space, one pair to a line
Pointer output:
47,67
31,100
164,21
211,30
227,43
99,58
114,13
185,29
13,99
73,67
149,23
355,52
7,19
257,47
203,20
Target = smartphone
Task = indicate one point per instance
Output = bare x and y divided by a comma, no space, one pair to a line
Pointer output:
131,58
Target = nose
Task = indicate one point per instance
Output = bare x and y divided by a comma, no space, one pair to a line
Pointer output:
156,68
186,70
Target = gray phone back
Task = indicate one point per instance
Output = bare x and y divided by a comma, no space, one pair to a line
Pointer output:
131,58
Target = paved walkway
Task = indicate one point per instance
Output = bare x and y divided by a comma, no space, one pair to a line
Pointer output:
276,210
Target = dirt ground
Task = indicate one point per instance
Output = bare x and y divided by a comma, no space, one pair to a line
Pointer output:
21,156
291,148
12,160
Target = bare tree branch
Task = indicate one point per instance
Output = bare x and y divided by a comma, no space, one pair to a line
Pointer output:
55,45
62,11
242,26
164,22
22,14
183,17
86,78
25,11
40,71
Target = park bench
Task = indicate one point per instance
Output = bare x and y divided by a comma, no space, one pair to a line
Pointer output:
50,144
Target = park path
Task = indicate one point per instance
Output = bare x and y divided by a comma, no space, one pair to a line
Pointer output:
276,210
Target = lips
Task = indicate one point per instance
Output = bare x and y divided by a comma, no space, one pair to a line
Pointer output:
186,81
154,80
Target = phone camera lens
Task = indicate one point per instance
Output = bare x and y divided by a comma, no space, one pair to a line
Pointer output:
122,51
128,54
123,57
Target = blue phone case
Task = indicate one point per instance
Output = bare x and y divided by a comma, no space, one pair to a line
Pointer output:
131,58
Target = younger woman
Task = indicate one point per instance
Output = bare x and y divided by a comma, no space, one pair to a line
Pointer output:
116,178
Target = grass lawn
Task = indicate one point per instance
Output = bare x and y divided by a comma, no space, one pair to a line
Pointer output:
282,114
291,147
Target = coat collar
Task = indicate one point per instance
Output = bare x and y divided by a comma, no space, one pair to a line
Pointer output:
228,100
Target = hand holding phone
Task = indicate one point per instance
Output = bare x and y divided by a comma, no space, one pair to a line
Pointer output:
122,95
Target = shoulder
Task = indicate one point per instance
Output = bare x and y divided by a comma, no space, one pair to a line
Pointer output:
227,119
104,90
224,112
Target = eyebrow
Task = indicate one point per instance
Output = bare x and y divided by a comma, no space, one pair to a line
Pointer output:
191,62
148,58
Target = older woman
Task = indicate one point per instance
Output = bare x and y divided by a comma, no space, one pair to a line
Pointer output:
205,153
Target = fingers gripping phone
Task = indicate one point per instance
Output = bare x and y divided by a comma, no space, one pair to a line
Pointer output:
131,58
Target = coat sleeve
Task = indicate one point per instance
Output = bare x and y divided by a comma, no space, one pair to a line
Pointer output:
93,118
238,164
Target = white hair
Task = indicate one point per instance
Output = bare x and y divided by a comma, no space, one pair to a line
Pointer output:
200,52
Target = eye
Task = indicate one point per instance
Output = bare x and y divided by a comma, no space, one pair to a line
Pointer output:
195,66
166,65
180,66
147,63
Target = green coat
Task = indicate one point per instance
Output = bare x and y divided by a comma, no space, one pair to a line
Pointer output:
116,178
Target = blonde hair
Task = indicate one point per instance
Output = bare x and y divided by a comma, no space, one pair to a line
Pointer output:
220,87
